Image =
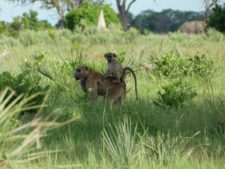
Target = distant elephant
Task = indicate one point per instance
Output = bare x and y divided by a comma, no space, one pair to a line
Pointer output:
193,27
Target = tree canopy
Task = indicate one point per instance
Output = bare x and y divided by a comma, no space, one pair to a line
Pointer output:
165,21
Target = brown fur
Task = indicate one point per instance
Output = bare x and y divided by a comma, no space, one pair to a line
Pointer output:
115,69
134,76
117,72
91,79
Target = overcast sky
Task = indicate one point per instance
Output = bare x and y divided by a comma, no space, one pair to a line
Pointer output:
9,10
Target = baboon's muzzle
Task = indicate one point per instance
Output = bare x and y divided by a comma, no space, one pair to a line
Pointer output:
109,59
76,76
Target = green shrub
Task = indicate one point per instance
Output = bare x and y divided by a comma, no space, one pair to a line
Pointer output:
177,72
3,27
172,65
201,66
88,15
175,93
217,17
26,83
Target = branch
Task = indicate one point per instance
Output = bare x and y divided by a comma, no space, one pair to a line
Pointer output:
130,5
209,5
213,3
118,3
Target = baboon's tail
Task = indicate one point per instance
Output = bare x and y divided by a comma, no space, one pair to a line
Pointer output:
135,79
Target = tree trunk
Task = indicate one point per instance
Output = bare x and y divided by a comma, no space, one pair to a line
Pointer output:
124,19
206,15
209,4
123,12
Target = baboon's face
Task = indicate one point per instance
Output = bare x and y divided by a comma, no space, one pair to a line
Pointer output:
81,73
110,57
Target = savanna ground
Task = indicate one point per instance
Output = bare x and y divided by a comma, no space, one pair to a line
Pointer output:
183,129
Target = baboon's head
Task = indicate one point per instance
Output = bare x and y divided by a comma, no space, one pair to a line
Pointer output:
110,57
81,73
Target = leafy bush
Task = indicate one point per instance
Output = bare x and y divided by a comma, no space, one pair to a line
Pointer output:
177,72
88,15
3,27
201,66
24,83
172,65
217,17
175,93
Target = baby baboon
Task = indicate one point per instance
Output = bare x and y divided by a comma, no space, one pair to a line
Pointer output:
91,79
115,69
117,72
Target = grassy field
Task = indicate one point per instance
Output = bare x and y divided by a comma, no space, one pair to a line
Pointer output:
151,133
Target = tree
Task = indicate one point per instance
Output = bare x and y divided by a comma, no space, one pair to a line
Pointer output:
28,21
217,18
88,15
61,6
123,10
165,21
208,5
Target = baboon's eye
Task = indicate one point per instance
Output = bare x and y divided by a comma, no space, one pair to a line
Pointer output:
78,70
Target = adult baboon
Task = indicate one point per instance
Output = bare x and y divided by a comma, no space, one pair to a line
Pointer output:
99,86
193,27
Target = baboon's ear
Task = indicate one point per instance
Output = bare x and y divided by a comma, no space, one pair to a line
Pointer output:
105,55
86,67
114,55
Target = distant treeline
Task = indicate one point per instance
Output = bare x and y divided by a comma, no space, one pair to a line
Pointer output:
159,22
165,21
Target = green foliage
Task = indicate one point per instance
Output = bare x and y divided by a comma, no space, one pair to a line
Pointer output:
26,83
217,17
179,71
28,21
88,15
172,65
167,20
214,35
113,35
19,141
80,144
175,93
3,27
121,56
202,66
166,149
120,142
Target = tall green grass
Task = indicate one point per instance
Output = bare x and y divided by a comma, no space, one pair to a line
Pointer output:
133,135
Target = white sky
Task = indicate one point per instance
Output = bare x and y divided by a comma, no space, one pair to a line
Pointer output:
9,10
